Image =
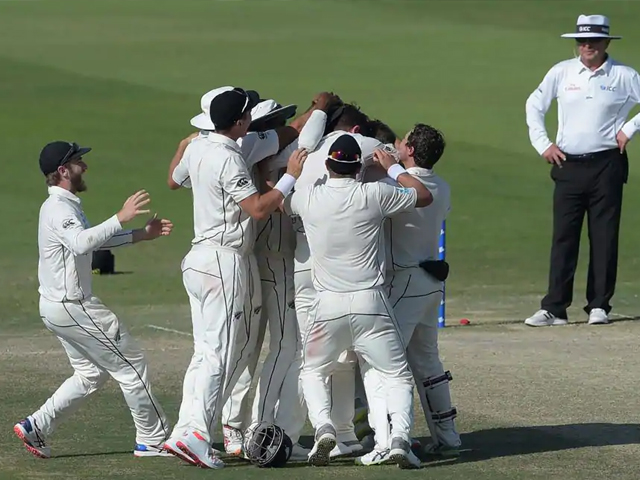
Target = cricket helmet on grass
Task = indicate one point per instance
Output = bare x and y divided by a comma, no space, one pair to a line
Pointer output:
266,445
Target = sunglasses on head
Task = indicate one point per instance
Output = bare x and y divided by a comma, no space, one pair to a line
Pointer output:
74,147
344,157
246,98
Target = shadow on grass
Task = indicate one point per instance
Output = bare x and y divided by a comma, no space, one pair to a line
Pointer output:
95,454
511,441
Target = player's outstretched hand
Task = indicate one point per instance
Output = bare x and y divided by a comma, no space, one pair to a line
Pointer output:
157,227
296,160
133,207
385,159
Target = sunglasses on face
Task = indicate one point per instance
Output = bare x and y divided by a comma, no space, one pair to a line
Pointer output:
343,157
590,41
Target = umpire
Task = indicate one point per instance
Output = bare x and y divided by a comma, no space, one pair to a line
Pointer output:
595,94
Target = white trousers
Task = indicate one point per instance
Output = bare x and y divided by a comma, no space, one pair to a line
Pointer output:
415,298
216,281
236,412
98,346
342,380
362,321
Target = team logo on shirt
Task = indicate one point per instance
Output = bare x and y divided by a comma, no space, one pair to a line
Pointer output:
403,190
572,88
256,310
237,315
607,88
262,135
68,223
243,182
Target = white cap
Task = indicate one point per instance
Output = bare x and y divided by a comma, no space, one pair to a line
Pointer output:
203,121
591,26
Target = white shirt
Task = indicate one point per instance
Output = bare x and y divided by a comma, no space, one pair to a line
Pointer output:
66,242
219,180
592,106
276,234
314,172
414,236
343,221
254,147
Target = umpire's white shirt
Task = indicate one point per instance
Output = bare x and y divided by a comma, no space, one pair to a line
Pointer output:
592,106
414,236
343,221
219,180
65,245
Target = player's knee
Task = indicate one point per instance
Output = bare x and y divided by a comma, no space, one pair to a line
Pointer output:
92,380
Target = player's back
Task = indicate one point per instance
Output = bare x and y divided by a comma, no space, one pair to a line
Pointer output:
343,224
413,236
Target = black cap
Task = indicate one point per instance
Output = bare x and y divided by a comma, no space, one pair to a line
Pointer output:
56,154
345,150
229,107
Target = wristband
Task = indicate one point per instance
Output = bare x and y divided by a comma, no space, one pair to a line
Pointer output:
395,171
285,184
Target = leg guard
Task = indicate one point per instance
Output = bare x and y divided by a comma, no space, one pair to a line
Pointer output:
435,397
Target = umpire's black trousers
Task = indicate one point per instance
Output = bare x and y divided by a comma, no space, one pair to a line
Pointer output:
591,184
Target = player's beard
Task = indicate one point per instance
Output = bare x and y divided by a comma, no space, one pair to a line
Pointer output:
77,182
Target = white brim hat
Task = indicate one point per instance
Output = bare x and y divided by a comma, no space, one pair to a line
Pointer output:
267,110
591,26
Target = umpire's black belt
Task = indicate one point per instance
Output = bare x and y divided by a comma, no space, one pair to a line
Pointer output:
585,157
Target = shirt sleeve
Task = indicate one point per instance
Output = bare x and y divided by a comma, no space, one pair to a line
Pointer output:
394,200
313,131
368,145
236,180
633,126
118,240
180,174
537,106
257,146
295,204
68,227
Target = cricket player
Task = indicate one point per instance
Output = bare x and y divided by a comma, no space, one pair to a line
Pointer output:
255,146
216,269
343,221
352,121
415,292
96,341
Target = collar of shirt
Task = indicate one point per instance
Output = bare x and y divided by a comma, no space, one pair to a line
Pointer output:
340,182
605,68
61,192
217,138
423,172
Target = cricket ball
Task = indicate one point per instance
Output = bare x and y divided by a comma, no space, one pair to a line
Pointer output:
465,321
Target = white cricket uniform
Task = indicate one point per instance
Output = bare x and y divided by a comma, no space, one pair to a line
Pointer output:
342,381
411,238
343,222
217,273
278,397
97,343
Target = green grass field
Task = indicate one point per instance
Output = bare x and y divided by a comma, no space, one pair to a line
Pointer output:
125,77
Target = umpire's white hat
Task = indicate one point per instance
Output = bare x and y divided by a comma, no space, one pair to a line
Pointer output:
591,26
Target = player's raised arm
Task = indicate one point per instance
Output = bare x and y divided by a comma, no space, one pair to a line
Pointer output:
400,175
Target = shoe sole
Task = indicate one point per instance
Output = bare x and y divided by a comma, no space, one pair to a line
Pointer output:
321,456
32,450
194,458
556,323
161,453
179,454
402,460
599,322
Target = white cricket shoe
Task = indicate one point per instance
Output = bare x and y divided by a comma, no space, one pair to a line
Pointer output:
343,449
598,316
325,441
142,450
299,453
374,457
33,439
401,454
233,440
194,449
542,318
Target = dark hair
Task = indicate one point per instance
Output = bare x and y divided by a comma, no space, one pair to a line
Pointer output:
428,145
382,132
350,117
